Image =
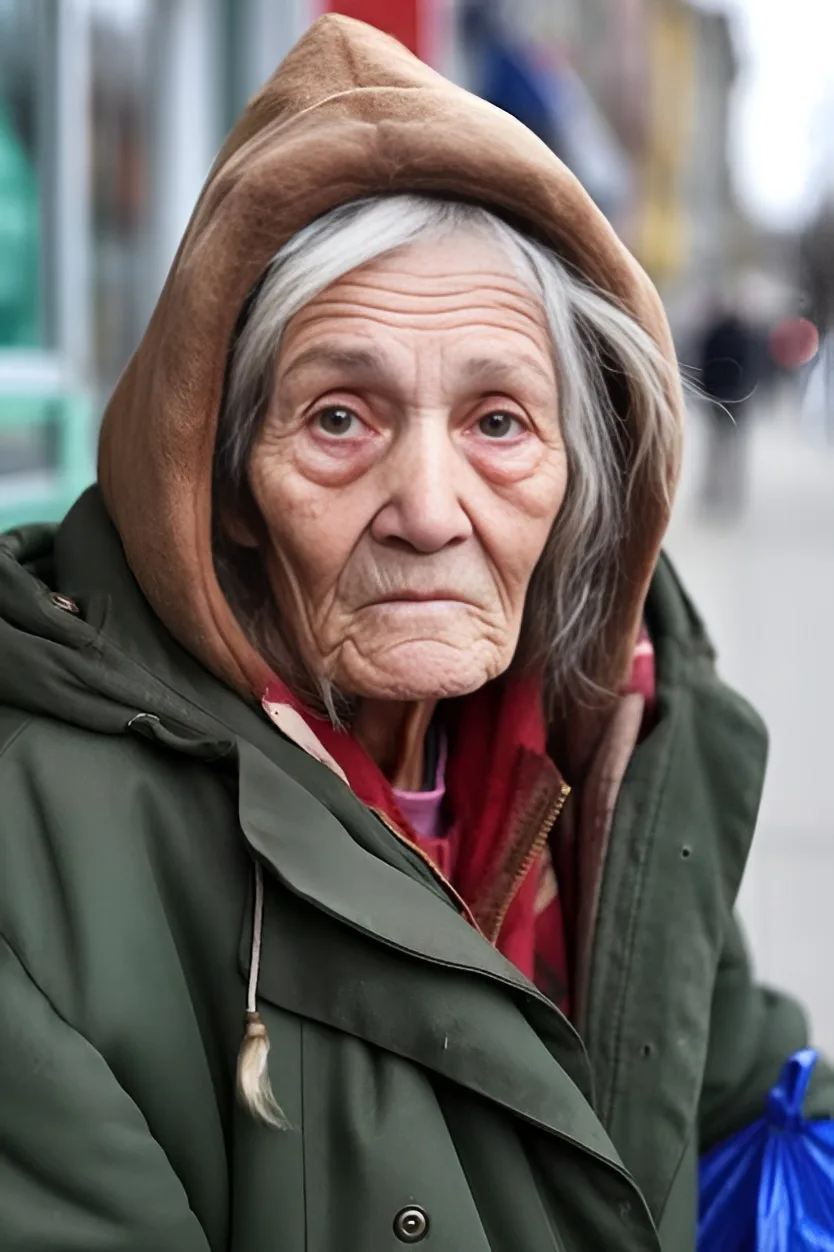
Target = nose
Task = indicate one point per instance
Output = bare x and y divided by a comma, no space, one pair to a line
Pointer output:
423,509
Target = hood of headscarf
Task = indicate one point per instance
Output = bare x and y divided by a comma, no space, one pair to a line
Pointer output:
348,114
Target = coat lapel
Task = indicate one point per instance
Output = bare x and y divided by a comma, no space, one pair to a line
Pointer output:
359,945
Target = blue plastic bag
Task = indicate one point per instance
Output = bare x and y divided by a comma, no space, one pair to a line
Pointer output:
771,1187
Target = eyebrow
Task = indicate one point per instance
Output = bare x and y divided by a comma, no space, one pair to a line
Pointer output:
371,363
355,360
490,370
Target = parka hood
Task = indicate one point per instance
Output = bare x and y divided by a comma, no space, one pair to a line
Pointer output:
79,643
349,113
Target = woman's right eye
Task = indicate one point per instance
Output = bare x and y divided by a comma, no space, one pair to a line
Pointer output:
336,420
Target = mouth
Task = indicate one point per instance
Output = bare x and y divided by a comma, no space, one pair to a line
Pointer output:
442,595
419,597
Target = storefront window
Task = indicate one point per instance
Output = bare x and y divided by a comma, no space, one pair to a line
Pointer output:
75,93
121,67
25,75
90,171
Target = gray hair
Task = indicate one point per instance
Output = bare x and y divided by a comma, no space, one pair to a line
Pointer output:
603,359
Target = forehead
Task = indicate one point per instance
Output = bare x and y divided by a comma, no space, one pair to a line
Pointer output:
461,282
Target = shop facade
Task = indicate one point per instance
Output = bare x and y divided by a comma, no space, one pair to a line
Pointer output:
111,112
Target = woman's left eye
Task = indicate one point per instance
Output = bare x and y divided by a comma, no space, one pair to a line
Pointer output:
499,425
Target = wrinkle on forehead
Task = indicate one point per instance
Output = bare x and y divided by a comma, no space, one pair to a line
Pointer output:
491,317
429,279
405,300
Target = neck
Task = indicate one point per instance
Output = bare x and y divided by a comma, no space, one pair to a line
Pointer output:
393,733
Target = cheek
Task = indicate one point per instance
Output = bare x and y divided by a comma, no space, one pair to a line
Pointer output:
521,522
531,476
547,488
311,528
279,490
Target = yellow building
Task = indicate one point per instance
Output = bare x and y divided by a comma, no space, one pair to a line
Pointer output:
661,228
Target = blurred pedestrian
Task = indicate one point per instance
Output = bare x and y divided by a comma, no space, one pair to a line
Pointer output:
730,366
372,812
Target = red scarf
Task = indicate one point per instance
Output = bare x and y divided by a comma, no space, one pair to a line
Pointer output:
501,788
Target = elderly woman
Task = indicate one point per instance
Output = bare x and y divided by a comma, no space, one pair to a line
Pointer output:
372,813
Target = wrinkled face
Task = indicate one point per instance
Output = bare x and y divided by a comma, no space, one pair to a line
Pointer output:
410,469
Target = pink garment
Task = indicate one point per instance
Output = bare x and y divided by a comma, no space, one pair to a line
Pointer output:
423,810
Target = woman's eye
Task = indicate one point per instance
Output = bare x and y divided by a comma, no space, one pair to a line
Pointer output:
336,420
499,425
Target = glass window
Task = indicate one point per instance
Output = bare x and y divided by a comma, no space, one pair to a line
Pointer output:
102,50
122,84
26,71
81,196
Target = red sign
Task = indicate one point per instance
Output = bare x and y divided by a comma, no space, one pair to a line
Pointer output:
406,20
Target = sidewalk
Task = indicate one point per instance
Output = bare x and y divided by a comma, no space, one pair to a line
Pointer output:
765,586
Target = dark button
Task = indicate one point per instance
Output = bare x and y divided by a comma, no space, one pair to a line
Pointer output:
411,1225
64,602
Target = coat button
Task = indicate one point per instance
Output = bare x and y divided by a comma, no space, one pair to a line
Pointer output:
411,1225
64,602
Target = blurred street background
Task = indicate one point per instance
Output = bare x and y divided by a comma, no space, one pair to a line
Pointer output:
705,132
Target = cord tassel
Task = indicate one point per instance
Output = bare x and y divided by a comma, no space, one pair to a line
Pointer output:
254,1089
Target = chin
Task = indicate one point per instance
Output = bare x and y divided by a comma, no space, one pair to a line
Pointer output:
425,672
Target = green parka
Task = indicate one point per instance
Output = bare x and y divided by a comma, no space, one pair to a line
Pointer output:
415,1066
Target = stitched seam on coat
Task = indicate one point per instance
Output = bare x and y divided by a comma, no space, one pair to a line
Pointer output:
16,735
632,930
64,1020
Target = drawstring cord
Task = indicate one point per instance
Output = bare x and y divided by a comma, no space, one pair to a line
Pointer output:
253,1086
257,937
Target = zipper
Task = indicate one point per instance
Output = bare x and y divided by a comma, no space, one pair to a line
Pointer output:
533,853
436,873
531,856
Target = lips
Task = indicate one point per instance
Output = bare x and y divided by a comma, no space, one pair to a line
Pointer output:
420,597
416,599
